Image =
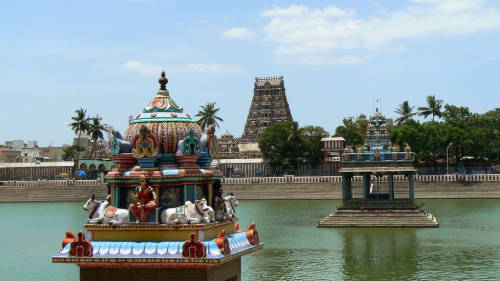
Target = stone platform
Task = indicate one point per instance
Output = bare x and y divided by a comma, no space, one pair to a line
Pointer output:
401,214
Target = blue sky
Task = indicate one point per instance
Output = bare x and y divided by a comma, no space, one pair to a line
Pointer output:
336,58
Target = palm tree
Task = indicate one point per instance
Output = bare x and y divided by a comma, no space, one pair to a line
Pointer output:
208,116
80,124
433,108
405,110
95,131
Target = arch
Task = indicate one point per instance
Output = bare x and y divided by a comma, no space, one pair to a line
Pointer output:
101,168
83,166
92,167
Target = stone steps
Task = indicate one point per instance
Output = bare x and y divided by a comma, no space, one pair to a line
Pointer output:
379,218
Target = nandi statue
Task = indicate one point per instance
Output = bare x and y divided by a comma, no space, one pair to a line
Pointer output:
225,208
210,211
190,212
101,213
230,206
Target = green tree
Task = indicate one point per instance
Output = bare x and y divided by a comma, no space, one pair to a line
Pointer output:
276,145
208,116
95,131
353,130
311,139
433,107
405,111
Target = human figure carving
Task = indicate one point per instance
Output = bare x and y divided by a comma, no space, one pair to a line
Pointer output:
145,201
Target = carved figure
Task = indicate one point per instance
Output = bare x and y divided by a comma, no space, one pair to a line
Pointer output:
189,213
100,212
81,247
210,211
194,248
230,203
145,200
68,239
219,205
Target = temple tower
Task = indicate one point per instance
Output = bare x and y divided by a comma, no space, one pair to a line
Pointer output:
269,105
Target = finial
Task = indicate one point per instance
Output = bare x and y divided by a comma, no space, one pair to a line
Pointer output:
376,109
163,81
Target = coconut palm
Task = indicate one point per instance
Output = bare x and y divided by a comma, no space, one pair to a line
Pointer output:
95,131
80,123
208,116
405,110
433,108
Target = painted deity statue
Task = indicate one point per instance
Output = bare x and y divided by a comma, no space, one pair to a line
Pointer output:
145,201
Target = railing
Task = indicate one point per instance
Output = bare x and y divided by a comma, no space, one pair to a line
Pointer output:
51,183
338,179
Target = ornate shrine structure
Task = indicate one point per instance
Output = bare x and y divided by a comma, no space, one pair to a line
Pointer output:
269,105
165,217
378,184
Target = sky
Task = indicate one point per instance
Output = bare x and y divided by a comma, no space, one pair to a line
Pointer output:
336,57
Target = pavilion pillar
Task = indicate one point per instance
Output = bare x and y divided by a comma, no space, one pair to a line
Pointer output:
366,186
346,186
410,178
391,186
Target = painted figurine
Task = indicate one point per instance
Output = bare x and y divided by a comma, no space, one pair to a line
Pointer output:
145,201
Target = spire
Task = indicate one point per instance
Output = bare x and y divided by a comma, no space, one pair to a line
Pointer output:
163,81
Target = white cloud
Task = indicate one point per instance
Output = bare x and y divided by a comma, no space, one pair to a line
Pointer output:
151,69
238,32
331,34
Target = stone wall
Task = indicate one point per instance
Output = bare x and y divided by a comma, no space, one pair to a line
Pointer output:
51,193
328,190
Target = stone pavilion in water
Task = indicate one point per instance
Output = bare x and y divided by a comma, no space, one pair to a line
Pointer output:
378,184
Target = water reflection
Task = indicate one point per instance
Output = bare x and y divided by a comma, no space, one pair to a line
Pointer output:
379,254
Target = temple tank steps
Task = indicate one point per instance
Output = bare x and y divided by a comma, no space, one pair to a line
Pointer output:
379,218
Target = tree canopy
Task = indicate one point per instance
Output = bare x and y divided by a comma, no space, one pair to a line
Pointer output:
284,145
353,130
208,116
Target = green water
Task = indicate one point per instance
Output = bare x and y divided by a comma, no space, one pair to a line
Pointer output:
465,247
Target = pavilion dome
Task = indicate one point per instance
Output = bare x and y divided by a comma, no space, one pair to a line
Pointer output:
164,119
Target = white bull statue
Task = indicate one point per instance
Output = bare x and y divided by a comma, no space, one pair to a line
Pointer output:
197,212
101,213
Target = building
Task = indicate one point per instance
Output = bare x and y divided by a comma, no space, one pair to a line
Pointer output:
378,184
164,176
269,105
332,151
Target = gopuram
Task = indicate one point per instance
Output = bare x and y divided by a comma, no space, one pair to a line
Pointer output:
378,184
269,105
165,217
